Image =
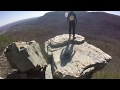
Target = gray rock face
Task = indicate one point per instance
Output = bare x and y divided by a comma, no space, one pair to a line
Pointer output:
25,56
73,59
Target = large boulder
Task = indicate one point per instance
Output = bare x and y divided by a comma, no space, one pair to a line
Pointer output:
25,56
73,59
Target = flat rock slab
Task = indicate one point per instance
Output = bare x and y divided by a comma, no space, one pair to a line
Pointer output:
64,39
72,60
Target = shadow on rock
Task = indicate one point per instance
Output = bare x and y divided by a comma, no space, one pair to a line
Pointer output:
67,54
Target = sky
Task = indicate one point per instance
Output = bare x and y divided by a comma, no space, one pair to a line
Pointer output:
12,16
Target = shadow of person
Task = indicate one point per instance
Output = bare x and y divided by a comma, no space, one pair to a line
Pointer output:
67,54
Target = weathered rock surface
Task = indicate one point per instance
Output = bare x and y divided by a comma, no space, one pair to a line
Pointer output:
72,59
25,56
1,78
48,72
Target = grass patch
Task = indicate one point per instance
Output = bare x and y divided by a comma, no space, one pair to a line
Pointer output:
106,75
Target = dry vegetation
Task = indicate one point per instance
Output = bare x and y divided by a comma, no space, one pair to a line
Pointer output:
4,65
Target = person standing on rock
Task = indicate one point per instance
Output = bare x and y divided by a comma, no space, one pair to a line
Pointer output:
72,20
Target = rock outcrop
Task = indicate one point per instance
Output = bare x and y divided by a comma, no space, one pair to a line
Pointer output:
73,59
1,78
25,56
66,58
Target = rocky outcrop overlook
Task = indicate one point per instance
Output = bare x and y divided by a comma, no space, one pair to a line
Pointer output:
66,58
74,58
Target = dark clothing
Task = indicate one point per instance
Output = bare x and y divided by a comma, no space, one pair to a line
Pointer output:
72,27
72,13
72,23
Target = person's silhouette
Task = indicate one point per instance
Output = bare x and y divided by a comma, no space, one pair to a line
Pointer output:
72,20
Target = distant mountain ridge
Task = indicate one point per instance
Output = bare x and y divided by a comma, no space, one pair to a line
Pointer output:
93,23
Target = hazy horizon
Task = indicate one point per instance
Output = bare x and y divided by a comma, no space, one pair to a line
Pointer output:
7,17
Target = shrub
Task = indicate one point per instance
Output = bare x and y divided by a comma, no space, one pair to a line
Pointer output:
5,41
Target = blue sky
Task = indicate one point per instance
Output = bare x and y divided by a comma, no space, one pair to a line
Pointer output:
12,16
